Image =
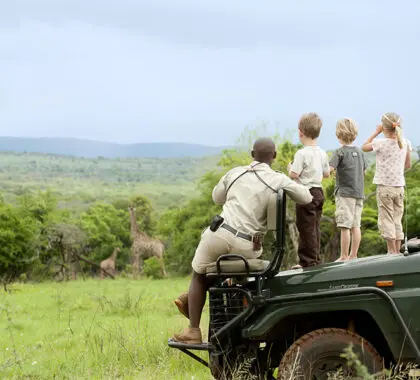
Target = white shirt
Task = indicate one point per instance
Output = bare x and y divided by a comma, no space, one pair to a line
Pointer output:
245,204
390,162
310,163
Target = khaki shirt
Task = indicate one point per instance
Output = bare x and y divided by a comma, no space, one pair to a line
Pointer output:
245,204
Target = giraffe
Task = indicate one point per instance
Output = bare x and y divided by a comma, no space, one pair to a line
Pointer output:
108,265
143,246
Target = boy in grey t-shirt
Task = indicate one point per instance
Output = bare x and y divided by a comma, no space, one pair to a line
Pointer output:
350,165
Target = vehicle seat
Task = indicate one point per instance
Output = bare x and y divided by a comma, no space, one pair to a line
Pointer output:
238,266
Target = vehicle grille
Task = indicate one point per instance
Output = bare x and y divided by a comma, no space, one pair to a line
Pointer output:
224,307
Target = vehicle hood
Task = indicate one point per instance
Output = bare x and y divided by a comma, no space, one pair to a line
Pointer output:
402,270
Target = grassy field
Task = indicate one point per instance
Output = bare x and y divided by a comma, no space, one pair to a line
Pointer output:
94,329
78,182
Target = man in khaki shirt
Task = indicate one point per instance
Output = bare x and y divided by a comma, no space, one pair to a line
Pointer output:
244,193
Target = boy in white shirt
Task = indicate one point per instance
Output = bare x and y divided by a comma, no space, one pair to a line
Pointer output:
310,165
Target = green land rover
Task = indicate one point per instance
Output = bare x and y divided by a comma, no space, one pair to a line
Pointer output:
272,322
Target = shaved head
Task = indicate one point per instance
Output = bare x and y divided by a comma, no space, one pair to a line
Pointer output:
264,150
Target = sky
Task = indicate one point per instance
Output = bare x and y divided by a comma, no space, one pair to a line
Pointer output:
202,71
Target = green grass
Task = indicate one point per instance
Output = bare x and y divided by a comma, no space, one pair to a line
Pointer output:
95,329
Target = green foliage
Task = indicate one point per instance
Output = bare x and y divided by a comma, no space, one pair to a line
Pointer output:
153,268
53,207
144,211
77,182
413,200
18,243
37,205
106,228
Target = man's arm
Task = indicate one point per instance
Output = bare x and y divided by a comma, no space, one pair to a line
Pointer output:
299,193
219,192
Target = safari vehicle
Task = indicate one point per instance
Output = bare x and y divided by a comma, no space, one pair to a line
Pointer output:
267,321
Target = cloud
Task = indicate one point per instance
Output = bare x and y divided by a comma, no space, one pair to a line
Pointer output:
200,71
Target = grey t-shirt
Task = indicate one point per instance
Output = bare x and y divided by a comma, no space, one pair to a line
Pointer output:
350,164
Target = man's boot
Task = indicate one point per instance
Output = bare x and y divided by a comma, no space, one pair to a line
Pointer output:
191,335
182,304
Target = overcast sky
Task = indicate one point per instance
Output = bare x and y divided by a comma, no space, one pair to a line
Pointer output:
200,71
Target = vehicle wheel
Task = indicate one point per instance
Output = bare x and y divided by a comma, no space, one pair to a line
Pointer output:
317,354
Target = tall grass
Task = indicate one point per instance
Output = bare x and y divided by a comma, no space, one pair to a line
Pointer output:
94,329
108,329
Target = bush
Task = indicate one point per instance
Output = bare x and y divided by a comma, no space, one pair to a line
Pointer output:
153,268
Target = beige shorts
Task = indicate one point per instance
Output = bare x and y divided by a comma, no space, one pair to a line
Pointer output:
390,211
348,212
221,242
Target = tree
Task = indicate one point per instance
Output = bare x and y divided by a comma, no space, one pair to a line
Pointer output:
18,243
144,211
106,228
68,241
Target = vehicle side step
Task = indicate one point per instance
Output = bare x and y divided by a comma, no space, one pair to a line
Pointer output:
185,346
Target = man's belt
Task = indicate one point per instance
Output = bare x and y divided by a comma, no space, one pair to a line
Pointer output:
236,232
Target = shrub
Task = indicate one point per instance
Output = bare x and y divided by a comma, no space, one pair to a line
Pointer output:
153,268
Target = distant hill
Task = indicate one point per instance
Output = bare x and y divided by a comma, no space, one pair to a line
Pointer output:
92,149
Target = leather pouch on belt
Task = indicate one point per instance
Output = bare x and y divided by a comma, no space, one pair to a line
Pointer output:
257,241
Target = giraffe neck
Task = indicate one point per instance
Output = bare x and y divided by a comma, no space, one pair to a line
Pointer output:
114,255
134,227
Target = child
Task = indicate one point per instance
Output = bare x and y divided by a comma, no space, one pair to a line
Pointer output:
309,167
350,165
392,157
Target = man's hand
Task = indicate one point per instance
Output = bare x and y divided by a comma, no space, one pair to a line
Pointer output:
289,167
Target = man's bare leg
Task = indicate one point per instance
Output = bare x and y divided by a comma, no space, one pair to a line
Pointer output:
196,298
356,237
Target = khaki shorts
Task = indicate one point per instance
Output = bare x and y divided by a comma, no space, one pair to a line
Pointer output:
221,242
348,212
390,211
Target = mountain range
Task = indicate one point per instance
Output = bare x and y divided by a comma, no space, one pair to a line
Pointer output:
91,148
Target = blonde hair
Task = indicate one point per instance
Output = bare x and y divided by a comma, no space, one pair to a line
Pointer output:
310,125
392,122
346,130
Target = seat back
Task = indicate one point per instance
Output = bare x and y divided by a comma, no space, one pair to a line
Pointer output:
272,212
276,221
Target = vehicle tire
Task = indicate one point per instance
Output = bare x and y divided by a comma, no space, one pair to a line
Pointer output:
318,353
